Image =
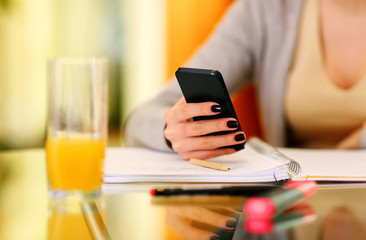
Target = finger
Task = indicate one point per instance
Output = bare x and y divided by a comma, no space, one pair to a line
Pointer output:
183,112
206,216
203,127
187,232
206,154
182,225
208,142
232,210
172,112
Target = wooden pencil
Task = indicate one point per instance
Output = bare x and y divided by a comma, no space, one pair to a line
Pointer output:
208,164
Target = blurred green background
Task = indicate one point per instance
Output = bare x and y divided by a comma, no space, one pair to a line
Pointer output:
131,33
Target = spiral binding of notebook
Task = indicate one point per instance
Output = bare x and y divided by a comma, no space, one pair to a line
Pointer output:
264,148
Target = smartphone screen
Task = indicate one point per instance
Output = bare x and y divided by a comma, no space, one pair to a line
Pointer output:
204,85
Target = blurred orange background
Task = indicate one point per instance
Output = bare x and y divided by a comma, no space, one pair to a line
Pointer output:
145,41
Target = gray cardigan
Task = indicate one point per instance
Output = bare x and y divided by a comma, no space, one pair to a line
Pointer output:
254,40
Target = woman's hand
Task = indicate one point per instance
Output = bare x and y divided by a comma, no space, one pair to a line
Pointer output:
192,222
188,138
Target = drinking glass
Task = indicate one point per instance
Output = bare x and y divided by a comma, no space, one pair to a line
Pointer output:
76,126
69,219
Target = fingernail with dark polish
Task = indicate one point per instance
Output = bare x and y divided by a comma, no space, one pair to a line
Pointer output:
239,137
214,238
216,108
231,223
232,124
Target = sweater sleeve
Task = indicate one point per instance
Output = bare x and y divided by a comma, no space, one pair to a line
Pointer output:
227,50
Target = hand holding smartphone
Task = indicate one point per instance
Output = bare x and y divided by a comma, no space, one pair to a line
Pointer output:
203,85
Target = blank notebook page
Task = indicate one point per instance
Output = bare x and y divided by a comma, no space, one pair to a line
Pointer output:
132,163
330,164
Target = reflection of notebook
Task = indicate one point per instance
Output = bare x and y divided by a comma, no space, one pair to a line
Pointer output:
259,162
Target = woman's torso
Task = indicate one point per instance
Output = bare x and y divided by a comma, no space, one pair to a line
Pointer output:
324,98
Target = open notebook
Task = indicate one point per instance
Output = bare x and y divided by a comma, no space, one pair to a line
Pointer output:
258,162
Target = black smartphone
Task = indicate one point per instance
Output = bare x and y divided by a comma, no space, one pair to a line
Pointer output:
204,85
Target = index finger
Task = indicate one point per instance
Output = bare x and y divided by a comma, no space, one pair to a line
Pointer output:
204,215
187,111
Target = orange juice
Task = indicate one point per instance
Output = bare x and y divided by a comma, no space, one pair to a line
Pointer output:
67,225
75,220
75,164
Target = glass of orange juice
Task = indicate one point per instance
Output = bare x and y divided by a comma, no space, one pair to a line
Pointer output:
76,126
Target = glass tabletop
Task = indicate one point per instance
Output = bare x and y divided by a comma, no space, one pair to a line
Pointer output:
128,211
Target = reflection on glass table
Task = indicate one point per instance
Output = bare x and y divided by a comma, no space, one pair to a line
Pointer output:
76,219
129,212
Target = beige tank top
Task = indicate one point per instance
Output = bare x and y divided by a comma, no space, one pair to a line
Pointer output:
318,112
